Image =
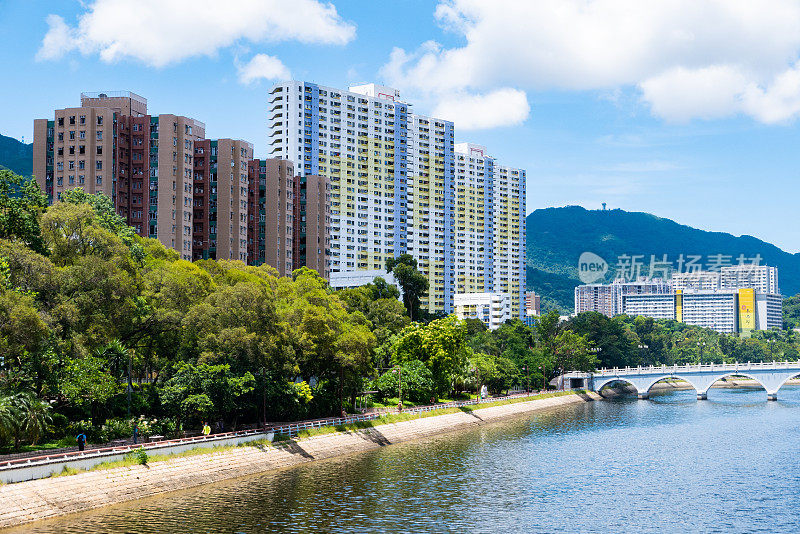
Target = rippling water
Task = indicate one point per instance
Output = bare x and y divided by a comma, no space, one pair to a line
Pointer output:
671,463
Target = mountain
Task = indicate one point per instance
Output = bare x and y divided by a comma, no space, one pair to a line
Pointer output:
556,237
16,156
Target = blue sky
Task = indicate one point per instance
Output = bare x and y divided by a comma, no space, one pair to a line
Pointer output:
687,110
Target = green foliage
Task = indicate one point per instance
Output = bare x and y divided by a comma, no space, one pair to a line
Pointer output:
203,391
791,311
138,455
23,416
412,282
21,204
16,156
440,345
414,377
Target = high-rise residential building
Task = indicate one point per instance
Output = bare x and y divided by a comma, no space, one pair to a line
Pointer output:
696,281
489,224
727,311
78,147
608,298
763,278
164,177
221,191
312,218
393,187
272,226
533,304
172,139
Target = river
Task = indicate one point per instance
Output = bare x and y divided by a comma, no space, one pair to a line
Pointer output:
671,463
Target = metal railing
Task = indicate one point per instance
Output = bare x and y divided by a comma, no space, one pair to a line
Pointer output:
120,449
292,429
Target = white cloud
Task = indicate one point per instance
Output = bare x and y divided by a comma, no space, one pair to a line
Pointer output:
262,66
161,32
688,58
503,107
58,39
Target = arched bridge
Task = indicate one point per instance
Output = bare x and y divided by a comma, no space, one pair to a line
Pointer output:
770,375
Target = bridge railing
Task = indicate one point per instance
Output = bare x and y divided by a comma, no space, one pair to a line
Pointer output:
749,366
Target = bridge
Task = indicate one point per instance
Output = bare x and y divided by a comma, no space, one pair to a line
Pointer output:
770,375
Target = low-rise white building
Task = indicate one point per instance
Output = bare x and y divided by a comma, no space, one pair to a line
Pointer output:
493,309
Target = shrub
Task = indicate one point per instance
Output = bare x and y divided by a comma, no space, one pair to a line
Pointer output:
417,382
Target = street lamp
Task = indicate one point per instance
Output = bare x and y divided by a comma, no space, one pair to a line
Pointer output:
399,370
527,380
477,384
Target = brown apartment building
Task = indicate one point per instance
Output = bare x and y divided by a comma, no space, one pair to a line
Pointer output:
288,218
221,191
205,198
312,223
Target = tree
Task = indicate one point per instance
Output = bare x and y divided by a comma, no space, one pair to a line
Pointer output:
21,204
617,344
413,283
87,383
199,391
571,353
416,379
441,345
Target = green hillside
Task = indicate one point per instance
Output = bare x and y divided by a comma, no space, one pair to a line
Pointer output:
558,236
16,156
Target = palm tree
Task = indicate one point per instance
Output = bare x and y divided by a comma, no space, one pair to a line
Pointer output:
8,417
34,418
23,416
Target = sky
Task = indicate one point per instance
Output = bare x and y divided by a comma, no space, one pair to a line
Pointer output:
687,109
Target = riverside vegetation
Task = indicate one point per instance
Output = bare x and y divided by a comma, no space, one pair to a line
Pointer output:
101,330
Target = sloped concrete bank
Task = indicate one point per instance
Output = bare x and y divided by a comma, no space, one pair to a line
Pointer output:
50,497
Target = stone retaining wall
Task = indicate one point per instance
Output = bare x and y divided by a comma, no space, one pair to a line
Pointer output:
40,499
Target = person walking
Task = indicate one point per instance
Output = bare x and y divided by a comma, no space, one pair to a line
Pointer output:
206,429
81,439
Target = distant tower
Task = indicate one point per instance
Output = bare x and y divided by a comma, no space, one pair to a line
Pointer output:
604,206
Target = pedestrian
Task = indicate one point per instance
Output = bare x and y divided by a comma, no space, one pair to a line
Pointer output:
81,438
206,429
135,433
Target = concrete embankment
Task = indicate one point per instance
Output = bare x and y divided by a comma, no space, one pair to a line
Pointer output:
50,497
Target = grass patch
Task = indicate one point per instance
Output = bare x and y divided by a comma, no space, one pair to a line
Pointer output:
67,471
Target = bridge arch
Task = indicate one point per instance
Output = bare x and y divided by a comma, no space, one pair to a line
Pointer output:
783,383
598,385
665,377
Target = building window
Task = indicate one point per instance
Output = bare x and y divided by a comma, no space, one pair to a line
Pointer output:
100,135
99,121
99,179
98,165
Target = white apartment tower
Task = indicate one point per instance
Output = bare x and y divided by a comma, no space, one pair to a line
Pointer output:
394,188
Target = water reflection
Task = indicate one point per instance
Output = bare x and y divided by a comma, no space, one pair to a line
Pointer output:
670,463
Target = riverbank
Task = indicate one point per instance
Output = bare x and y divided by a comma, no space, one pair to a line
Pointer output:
41,499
